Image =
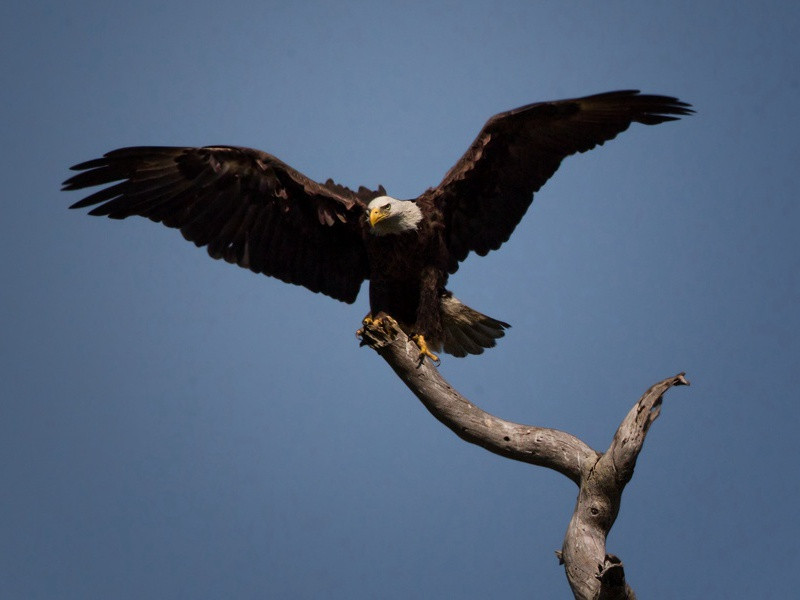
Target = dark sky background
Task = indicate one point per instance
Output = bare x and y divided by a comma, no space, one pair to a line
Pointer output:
175,427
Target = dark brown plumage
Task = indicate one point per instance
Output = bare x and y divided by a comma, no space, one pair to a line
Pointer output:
251,209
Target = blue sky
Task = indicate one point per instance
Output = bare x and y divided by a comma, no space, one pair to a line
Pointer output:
173,426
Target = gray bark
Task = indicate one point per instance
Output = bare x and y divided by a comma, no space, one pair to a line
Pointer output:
601,477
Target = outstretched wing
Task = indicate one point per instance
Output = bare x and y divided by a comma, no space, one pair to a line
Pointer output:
484,196
246,206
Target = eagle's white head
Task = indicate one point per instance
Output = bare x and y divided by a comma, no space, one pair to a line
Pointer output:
388,215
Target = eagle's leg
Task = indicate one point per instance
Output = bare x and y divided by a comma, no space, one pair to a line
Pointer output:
419,340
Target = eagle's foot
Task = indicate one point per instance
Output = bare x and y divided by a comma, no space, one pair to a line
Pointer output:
383,322
377,331
419,340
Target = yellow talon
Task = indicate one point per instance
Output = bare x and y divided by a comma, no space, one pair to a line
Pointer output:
419,340
384,323
367,321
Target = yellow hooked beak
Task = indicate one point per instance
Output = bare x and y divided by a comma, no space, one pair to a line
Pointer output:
378,214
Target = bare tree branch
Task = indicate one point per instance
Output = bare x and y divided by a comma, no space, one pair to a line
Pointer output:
535,445
592,573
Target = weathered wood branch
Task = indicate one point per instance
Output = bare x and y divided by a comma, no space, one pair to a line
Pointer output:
592,573
536,445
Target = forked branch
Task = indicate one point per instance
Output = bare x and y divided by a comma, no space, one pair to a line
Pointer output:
591,572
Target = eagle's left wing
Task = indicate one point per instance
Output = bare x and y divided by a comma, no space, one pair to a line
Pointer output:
484,196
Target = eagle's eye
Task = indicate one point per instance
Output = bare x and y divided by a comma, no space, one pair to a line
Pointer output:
386,207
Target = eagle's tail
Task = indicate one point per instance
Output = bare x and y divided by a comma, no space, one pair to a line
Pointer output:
466,331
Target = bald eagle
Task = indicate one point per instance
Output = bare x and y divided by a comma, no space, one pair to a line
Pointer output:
251,209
